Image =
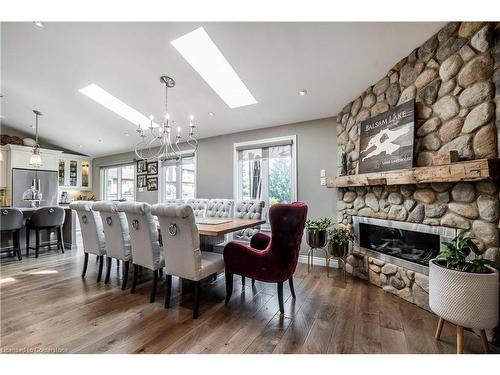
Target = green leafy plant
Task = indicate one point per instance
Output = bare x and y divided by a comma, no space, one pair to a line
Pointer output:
340,236
319,224
456,253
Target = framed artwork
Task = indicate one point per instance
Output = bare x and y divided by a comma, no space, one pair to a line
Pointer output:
153,167
386,140
152,183
141,166
141,181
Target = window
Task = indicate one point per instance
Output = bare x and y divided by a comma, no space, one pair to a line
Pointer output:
118,183
179,179
265,170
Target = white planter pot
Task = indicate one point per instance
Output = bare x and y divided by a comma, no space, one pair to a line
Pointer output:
464,298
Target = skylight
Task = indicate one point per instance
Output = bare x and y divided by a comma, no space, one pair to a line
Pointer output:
114,104
203,55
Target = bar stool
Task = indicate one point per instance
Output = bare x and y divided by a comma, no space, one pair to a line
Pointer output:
49,219
12,222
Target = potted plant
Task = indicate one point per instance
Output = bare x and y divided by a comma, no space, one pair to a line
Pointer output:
463,288
339,238
317,232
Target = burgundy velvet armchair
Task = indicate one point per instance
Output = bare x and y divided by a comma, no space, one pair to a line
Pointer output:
269,259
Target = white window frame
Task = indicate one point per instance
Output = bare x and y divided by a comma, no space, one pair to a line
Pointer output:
119,191
265,143
161,177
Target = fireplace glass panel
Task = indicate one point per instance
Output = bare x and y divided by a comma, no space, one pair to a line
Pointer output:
409,245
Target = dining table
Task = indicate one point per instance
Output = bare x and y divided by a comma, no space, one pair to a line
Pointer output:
215,226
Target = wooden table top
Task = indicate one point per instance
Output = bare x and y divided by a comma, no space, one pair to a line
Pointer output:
232,225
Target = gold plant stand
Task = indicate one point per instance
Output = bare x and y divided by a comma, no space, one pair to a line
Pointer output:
328,259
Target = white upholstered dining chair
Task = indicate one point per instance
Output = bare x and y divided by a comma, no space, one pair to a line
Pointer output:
181,245
92,234
144,238
117,237
199,206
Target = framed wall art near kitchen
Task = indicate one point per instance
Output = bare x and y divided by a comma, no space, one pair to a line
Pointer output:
152,168
386,140
152,183
141,166
141,181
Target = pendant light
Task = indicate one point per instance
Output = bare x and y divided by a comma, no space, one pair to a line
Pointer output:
36,159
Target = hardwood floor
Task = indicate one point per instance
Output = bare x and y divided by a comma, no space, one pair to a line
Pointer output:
46,306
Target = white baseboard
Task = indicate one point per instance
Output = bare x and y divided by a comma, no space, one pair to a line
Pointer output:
318,261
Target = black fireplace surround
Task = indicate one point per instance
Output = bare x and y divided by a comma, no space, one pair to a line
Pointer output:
416,247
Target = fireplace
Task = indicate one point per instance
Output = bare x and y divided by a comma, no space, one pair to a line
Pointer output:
405,244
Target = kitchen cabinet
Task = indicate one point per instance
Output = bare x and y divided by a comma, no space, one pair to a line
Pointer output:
75,172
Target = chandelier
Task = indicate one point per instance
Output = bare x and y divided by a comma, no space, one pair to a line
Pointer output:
157,141
35,158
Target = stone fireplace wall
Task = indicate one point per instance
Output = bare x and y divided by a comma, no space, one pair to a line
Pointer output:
453,78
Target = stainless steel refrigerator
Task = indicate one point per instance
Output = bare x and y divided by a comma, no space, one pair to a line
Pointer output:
22,180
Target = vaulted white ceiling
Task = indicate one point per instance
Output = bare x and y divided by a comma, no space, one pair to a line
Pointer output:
43,68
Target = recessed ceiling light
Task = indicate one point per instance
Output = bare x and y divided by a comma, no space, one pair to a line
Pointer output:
302,92
80,146
114,104
99,140
31,126
126,134
211,114
174,122
203,55
38,24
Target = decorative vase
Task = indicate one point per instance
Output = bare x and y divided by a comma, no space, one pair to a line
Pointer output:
339,251
316,238
464,298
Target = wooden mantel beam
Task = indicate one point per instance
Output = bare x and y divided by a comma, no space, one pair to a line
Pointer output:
473,170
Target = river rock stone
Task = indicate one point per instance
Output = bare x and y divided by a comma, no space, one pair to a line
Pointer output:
379,108
377,190
475,94
343,138
349,196
447,87
372,201
443,197
397,213
395,198
424,159
486,187
431,142
435,210
484,143
481,41
407,190
426,52
359,202
461,144
356,106
464,209
353,133
369,100
408,93
491,254
477,69
389,269
448,30
441,186
469,28
479,116
487,232
392,94
396,282
454,221
446,107
449,47
381,86
409,204
363,115
409,72
488,207
425,196
425,78
466,53
417,215
450,67
463,192
429,126
366,211
430,92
